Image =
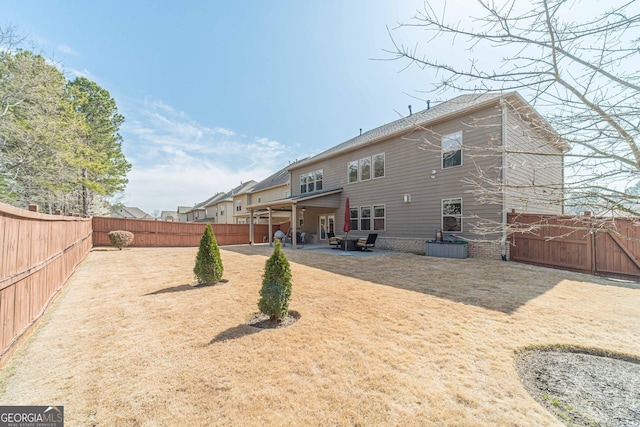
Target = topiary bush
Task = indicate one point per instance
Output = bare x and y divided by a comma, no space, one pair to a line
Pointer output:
276,285
120,238
208,268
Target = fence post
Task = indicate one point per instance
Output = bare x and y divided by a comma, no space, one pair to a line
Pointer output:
591,244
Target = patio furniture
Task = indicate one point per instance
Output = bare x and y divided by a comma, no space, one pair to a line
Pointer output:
302,238
349,243
369,242
333,240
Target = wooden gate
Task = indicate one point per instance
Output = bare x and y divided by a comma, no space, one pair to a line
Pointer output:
601,246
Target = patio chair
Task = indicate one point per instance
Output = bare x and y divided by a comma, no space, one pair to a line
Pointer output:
369,242
333,240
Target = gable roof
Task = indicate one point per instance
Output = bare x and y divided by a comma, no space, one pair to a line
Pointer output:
279,178
241,189
201,205
132,212
462,104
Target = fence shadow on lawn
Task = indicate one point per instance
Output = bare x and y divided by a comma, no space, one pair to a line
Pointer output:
492,285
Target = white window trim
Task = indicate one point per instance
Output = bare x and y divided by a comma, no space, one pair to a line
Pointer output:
306,177
373,168
362,218
373,217
451,136
357,219
360,169
357,172
442,214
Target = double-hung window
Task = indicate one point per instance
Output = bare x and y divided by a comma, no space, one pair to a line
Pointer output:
353,216
311,181
452,150
378,217
365,218
303,183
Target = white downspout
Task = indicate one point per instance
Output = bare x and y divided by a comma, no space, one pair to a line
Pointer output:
505,166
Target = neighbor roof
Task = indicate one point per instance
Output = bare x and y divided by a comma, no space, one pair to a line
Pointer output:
456,106
279,178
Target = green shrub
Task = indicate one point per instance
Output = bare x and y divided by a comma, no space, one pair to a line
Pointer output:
208,268
120,238
276,285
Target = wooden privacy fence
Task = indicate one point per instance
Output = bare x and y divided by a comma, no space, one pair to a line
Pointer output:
175,234
601,246
38,253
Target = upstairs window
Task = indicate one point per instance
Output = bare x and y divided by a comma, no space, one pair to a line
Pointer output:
452,150
378,165
239,205
352,172
365,169
311,181
319,175
303,183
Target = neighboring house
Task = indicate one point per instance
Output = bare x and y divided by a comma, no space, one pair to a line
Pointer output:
198,213
239,202
182,213
219,208
213,212
170,216
404,189
131,213
274,187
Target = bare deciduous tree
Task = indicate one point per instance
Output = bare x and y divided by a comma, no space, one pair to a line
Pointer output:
575,63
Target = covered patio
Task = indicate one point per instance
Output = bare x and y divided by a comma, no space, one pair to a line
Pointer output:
305,212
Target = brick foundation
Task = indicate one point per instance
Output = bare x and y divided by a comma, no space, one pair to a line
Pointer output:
484,249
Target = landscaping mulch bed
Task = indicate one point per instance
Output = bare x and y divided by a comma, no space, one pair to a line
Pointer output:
582,387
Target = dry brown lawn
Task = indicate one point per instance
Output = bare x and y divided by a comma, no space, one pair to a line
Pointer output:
396,339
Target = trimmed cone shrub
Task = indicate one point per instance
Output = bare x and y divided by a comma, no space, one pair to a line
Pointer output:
120,238
276,285
208,269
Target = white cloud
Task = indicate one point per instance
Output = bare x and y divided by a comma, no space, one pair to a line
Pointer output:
178,161
66,49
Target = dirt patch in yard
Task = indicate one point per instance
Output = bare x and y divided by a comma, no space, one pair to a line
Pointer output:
398,339
583,387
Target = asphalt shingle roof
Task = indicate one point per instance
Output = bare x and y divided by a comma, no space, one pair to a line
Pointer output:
454,106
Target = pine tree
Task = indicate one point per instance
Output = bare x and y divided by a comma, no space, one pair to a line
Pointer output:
208,268
276,286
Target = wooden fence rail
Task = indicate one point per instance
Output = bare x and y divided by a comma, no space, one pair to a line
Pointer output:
595,245
174,234
38,253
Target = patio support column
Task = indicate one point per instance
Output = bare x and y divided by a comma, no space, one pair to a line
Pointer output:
251,231
270,228
294,223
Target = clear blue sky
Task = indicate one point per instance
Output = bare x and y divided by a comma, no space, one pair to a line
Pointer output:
215,93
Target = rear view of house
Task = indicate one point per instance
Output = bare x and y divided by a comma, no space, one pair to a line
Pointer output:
458,167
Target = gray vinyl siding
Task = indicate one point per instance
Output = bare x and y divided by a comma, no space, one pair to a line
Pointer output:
408,165
536,169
